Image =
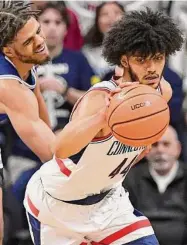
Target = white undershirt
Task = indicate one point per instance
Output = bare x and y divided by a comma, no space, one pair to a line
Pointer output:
163,181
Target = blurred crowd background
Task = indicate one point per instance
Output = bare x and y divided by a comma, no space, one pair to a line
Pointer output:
74,32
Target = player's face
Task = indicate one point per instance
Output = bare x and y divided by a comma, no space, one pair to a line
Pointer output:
29,45
165,152
108,15
54,27
146,70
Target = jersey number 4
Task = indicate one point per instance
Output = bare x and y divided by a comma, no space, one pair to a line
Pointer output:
120,170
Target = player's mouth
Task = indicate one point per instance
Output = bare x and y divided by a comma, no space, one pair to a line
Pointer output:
40,50
151,80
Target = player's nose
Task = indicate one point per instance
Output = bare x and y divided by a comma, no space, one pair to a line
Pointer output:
39,40
151,66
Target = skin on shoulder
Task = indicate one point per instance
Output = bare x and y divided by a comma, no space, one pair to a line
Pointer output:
90,104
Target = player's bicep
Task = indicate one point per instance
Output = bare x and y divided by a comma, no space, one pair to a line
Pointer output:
22,109
90,104
22,121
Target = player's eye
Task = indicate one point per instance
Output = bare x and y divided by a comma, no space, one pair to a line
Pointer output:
140,60
159,58
27,42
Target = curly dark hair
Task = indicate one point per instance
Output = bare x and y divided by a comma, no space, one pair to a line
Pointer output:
94,36
144,32
60,6
13,16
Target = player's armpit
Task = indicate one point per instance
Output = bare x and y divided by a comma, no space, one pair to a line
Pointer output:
166,89
22,109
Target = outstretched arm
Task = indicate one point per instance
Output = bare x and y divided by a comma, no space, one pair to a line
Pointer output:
20,104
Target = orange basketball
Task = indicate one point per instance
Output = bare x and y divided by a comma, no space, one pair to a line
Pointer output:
138,115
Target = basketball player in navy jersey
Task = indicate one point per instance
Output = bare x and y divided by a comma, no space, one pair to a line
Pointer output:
22,45
78,198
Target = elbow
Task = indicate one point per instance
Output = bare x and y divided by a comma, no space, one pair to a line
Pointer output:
47,155
59,150
62,152
65,150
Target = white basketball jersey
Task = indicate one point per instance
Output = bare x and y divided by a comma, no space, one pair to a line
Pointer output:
101,165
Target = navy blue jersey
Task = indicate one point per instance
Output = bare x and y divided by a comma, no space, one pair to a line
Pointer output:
9,71
72,68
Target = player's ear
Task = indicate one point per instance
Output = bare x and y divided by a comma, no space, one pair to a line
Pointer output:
124,61
8,51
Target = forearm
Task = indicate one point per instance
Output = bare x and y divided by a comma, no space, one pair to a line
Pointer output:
37,136
76,135
73,95
40,141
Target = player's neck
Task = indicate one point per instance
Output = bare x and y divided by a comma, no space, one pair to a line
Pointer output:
127,77
55,51
23,69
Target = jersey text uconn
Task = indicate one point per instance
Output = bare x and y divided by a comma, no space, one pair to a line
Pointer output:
119,148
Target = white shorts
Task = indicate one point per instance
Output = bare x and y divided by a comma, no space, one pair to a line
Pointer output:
111,221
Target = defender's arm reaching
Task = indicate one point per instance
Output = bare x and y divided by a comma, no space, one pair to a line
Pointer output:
22,109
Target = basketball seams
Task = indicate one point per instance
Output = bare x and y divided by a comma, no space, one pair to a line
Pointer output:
128,99
122,120
120,103
142,138
135,119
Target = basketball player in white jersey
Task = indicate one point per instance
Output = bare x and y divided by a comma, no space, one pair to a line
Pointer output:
22,45
77,197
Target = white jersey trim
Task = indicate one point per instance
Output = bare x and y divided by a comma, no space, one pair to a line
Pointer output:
18,78
2,77
101,139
